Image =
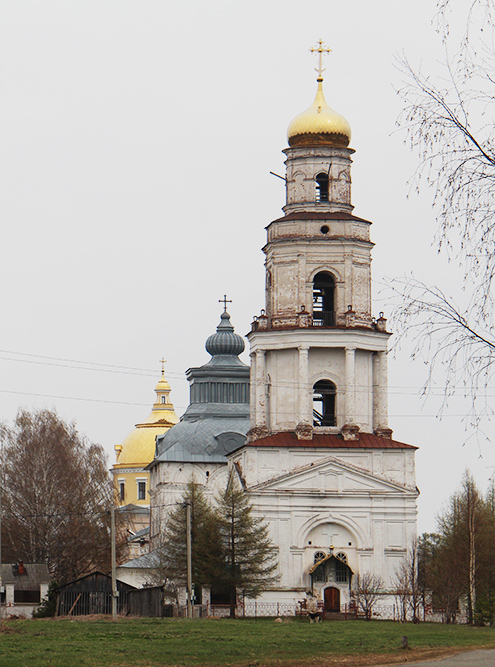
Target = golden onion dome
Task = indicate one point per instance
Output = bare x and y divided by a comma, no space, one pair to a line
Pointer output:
138,448
319,125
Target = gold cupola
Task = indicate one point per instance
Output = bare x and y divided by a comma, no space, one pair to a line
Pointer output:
319,125
138,448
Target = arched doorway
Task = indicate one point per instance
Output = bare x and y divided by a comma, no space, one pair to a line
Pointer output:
331,596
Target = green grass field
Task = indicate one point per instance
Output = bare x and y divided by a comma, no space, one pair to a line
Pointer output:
167,642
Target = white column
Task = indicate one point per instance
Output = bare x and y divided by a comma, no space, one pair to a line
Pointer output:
260,405
252,390
383,416
380,389
376,391
350,384
304,398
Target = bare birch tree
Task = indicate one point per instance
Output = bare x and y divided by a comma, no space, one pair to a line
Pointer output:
57,495
366,592
449,123
408,589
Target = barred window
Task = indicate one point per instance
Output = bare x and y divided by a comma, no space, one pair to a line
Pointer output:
341,572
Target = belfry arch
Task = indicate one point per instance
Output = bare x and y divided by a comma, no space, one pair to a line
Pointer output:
324,403
323,300
321,187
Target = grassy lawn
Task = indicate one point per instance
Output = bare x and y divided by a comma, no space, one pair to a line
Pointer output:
181,642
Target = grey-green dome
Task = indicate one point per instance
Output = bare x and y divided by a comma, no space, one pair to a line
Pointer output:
217,419
225,341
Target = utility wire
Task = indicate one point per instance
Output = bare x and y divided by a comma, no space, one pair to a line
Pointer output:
71,398
85,365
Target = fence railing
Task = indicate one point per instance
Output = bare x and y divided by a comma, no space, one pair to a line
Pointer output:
90,602
150,602
324,318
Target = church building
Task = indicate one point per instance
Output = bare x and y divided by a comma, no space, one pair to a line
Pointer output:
319,462
214,425
130,473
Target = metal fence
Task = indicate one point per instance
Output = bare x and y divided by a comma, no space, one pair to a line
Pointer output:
73,603
251,609
151,602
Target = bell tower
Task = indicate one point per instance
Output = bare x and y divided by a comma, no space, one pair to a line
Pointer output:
318,356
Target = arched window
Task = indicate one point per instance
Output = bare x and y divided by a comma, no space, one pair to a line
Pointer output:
324,403
320,572
341,571
323,300
341,556
321,187
319,555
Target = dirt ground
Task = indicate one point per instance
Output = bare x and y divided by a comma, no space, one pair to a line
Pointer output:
399,658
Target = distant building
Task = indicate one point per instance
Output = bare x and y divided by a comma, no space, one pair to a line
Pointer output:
131,477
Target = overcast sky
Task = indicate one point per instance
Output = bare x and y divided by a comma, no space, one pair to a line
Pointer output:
136,144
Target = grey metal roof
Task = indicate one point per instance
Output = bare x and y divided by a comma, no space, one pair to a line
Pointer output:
36,574
146,561
205,440
217,419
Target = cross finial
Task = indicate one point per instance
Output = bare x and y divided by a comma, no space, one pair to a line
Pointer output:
225,301
163,362
320,49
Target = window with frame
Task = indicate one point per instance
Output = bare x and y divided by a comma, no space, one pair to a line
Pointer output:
319,555
141,490
341,572
121,491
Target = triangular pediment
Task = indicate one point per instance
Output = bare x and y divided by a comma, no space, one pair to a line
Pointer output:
330,475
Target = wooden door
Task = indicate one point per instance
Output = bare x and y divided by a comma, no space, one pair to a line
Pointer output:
332,599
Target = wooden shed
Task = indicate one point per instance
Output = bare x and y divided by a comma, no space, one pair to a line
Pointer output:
91,594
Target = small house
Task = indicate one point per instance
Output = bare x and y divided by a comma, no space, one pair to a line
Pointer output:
23,587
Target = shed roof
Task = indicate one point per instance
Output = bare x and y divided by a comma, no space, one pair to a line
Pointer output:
97,581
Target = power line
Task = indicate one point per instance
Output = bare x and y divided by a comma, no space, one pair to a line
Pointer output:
75,361
71,398
103,368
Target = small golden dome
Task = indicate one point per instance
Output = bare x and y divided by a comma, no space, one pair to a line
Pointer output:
319,125
138,448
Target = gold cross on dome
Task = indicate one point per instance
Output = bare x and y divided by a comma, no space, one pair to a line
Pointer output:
225,301
163,361
320,50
